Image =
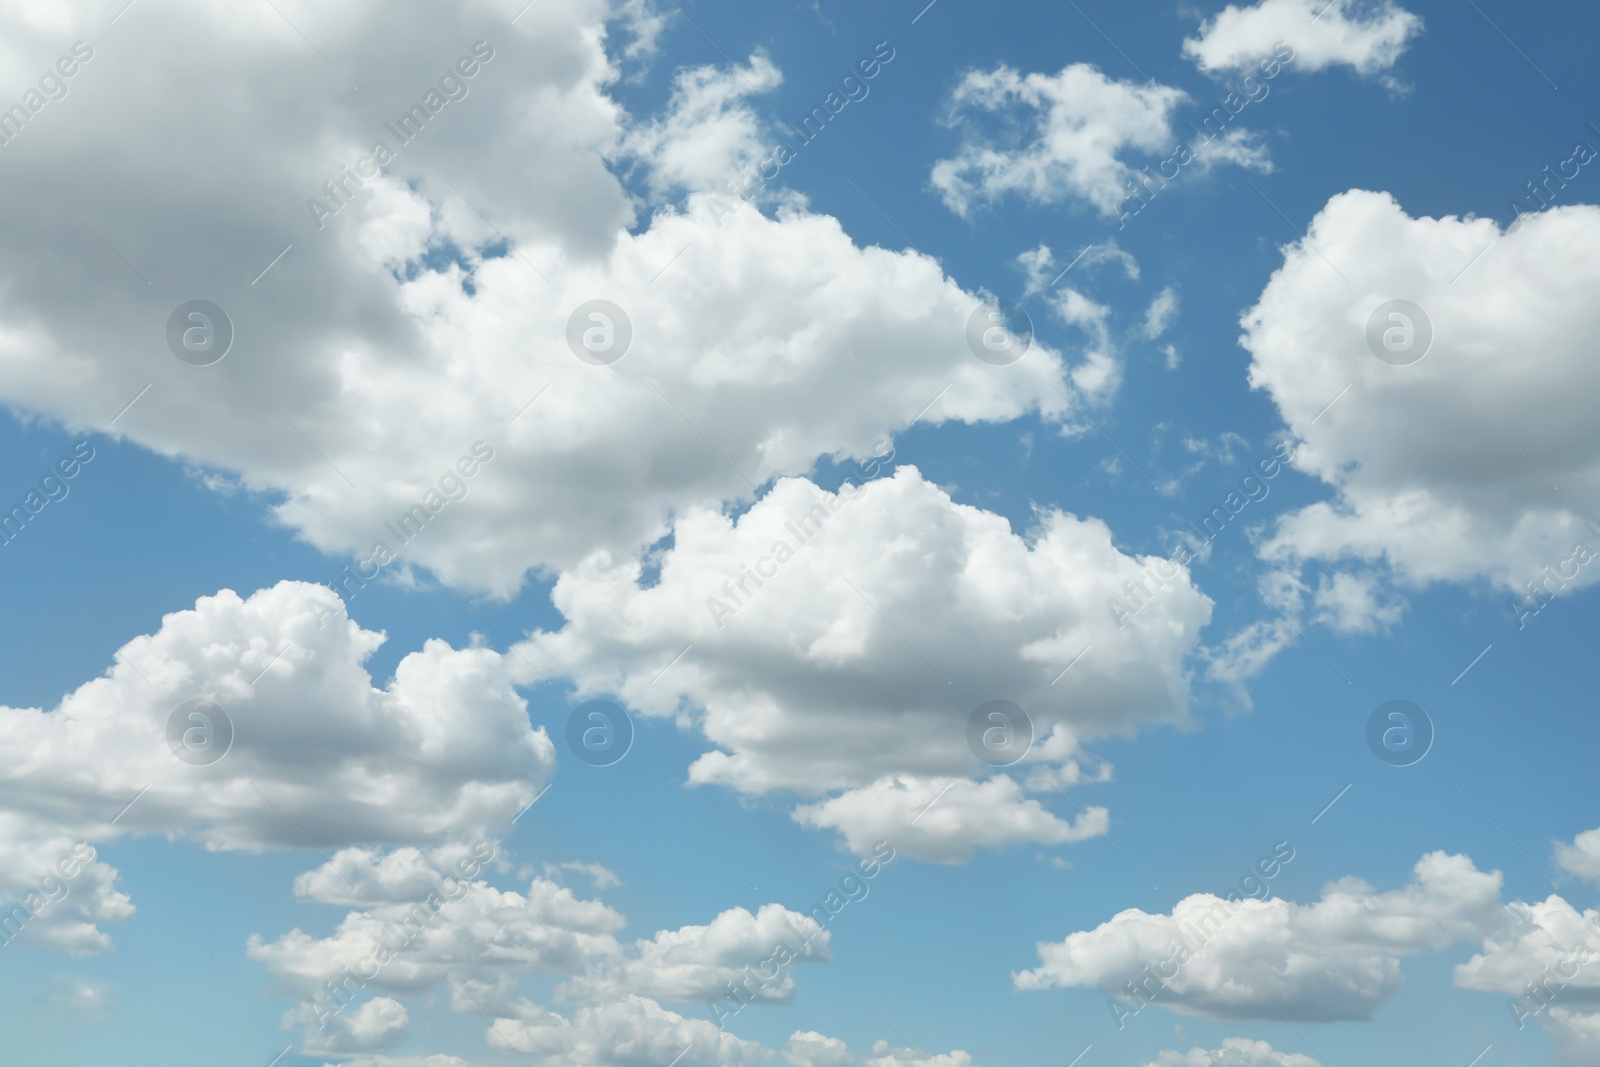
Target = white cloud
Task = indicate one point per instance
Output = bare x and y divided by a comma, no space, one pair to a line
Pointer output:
1582,857
623,1033
1439,467
424,920
708,134
1534,941
401,1061
1355,604
363,368
885,1056
645,20
1069,134
1576,1033
1040,266
943,819
53,890
601,875
1100,373
360,876
844,667
93,999
1338,958
1545,957
380,1023
444,751
485,935
1161,314
1366,36
1235,1052
700,962
807,1048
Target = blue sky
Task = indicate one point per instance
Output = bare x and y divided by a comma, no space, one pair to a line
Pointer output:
775,344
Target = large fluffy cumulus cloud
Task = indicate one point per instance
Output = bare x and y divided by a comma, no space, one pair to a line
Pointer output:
838,639
430,310
1477,463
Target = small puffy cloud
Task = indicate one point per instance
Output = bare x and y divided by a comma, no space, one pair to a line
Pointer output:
629,1032
1042,271
1355,604
708,134
379,1023
475,931
1235,1052
824,659
1161,314
883,1055
1445,469
807,1048
1337,958
1066,137
602,876
700,962
942,820
1100,373
1581,857
362,876
92,998
1366,36
56,892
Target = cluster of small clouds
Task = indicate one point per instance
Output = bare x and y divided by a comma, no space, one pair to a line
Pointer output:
481,941
1339,957
1069,136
